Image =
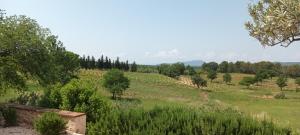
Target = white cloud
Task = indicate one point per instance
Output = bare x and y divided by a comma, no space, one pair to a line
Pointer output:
169,54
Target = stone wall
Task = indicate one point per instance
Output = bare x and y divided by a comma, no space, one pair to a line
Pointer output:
76,122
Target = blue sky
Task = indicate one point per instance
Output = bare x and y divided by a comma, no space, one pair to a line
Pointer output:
152,31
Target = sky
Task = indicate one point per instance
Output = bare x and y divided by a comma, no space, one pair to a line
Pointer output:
153,31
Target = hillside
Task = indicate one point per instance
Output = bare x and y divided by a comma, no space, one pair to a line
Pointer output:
150,90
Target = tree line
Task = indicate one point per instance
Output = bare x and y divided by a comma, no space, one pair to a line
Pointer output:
90,62
274,69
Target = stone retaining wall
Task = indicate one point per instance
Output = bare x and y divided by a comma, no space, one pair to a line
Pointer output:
76,122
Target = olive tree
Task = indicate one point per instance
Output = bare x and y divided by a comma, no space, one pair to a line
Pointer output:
115,82
275,22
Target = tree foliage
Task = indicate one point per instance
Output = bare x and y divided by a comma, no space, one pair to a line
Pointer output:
247,81
212,74
28,50
115,82
281,82
199,81
227,78
275,22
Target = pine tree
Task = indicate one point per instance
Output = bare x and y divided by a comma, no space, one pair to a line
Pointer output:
88,62
101,64
133,67
93,63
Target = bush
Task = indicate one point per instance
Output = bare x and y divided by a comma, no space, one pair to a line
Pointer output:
51,98
50,123
280,95
78,97
26,98
9,115
183,121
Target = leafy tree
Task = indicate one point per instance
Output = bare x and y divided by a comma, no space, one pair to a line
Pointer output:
31,51
179,67
261,75
227,78
133,67
210,66
247,81
115,82
199,81
190,71
212,75
281,82
224,67
275,22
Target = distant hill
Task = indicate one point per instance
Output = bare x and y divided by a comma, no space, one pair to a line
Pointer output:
194,63
289,63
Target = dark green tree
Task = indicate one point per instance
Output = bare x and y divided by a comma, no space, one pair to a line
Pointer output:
212,74
281,82
227,78
115,82
190,71
133,67
199,81
247,81
223,67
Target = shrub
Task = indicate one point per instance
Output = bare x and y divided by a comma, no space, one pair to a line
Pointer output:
51,98
280,95
183,121
9,115
247,81
50,123
78,97
26,98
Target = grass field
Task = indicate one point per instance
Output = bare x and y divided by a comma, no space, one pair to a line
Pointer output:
149,90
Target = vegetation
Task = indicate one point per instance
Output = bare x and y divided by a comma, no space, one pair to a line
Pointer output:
29,51
247,81
281,82
172,70
274,22
50,123
227,78
280,95
212,75
9,115
115,82
102,63
179,121
199,81
297,82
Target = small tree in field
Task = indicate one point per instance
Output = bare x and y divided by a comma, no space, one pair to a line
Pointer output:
227,78
281,82
247,81
297,81
116,82
212,75
199,81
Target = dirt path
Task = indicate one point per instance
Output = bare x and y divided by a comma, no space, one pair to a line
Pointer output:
17,131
